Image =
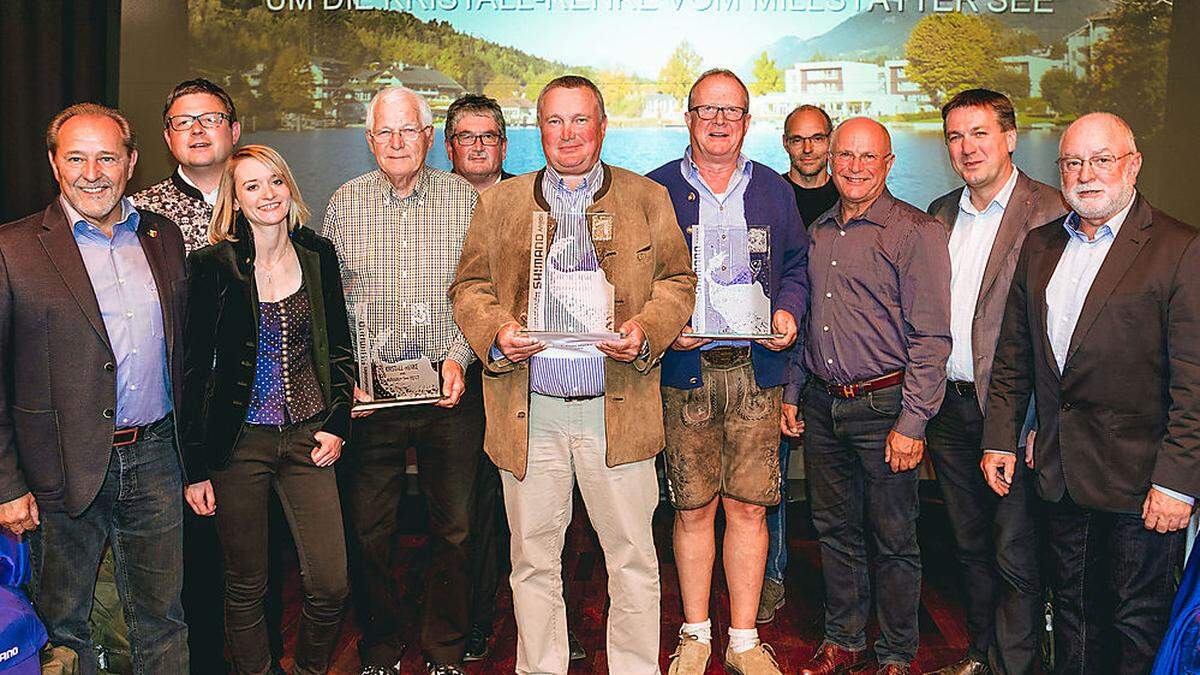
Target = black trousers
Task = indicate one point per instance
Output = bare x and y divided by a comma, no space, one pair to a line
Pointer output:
1114,582
449,445
996,539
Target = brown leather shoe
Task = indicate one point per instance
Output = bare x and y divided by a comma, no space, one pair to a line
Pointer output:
894,669
964,667
831,659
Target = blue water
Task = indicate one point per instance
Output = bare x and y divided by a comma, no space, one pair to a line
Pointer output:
323,159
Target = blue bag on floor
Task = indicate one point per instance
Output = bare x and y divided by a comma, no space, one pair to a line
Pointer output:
1179,653
21,632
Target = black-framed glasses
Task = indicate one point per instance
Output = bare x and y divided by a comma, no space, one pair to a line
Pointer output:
208,120
815,139
731,113
467,139
1100,163
409,134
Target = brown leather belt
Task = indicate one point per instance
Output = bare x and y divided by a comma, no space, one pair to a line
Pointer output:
856,389
130,435
725,356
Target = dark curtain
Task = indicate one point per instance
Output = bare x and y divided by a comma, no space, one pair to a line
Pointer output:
52,53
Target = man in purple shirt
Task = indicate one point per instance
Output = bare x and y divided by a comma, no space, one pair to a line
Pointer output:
878,339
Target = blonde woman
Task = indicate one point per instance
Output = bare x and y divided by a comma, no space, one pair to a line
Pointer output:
267,391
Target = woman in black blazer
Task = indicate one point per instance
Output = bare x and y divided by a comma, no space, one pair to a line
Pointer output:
268,381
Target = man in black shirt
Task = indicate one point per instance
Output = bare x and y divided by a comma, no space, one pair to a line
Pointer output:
806,140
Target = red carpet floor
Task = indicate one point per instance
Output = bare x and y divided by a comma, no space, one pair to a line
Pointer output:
794,634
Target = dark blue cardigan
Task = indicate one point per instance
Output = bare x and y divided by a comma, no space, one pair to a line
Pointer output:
768,201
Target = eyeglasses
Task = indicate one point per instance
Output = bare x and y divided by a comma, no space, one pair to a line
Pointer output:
409,134
1099,163
208,120
816,139
467,139
867,158
731,113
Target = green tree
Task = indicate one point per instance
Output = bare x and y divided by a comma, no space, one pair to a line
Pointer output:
1015,83
1128,71
289,82
1065,93
948,53
767,76
680,71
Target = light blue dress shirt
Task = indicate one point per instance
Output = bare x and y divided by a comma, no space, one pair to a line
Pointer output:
1069,286
128,298
728,208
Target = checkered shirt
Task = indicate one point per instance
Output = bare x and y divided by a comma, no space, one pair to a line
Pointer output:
400,255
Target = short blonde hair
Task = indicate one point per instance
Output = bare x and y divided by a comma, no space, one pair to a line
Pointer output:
222,226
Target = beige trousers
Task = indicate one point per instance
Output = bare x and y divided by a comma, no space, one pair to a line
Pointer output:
567,444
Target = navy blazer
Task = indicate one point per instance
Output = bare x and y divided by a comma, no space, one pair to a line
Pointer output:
769,201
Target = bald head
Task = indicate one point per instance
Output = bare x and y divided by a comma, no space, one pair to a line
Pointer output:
1099,164
863,130
861,150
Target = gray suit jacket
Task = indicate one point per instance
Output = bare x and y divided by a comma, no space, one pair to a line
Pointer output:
1031,205
58,381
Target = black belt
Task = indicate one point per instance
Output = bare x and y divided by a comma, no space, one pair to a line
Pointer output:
725,356
131,435
574,399
961,387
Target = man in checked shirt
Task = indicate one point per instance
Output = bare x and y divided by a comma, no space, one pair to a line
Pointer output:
876,350
398,232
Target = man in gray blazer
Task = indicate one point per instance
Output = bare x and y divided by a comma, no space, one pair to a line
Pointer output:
996,539
91,301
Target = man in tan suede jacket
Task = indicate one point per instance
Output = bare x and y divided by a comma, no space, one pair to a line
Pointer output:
594,415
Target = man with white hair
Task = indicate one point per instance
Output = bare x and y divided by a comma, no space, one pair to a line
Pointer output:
398,232
1102,327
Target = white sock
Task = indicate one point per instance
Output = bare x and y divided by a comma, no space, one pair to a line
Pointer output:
701,631
742,639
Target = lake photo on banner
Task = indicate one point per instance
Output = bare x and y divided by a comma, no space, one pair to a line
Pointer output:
323,159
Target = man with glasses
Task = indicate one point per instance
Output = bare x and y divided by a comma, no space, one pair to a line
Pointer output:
398,232
1102,327
721,399
476,142
201,128
806,140
878,339
997,539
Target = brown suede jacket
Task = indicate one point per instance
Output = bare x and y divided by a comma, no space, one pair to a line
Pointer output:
645,260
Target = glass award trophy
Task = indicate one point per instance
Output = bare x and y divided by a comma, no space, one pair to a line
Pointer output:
390,383
731,268
570,299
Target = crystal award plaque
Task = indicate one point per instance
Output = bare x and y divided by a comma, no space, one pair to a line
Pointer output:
731,268
390,383
569,294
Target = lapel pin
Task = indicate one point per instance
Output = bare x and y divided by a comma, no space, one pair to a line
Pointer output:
152,232
691,196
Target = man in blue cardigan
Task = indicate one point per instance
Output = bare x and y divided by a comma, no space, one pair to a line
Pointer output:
722,399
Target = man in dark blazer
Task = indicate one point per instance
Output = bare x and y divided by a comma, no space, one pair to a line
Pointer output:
987,220
91,299
1103,325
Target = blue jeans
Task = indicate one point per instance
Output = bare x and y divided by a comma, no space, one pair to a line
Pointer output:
140,510
857,501
777,553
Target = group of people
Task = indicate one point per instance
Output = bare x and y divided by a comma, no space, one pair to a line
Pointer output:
1040,344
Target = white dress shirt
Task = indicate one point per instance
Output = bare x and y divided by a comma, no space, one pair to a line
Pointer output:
210,198
971,242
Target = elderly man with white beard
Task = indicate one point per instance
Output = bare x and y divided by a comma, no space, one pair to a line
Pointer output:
1102,326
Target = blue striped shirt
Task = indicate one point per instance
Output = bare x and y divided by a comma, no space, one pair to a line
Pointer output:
564,374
